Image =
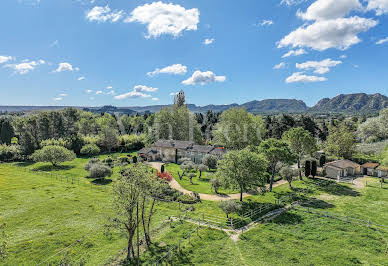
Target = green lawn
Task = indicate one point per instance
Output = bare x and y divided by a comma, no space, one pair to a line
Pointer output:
200,185
299,238
44,215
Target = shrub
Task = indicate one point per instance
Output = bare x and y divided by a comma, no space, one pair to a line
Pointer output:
165,176
100,171
216,184
162,168
210,161
91,139
53,154
132,142
90,150
109,161
92,162
55,142
9,152
123,159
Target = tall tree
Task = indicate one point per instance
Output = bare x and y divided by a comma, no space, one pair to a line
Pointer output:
238,129
276,151
301,143
53,154
109,138
243,170
6,132
341,142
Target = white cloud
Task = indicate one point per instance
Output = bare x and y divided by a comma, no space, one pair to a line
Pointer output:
99,92
266,23
294,53
209,41
173,93
279,66
58,99
340,33
132,94
112,92
380,6
202,78
343,56
26,66
292,2
5,59
109,88
162,18
176,69
54,44
155,99
300,77
66,67
329,9
81,78
143,88
89,91
382,41
103,14
63,95
320,67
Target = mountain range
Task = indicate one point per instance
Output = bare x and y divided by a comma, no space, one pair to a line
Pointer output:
343,103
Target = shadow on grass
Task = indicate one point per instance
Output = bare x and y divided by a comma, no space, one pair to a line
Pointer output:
288,218
333,188
24,164
51,168
318,204
102,181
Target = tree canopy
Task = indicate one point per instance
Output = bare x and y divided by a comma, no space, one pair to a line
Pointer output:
243,170
341,141
238,129
53,154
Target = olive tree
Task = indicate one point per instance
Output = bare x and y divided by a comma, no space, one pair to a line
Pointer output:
90,150
230,206
53,154
287,173
243,170
210,161
201,168
100,171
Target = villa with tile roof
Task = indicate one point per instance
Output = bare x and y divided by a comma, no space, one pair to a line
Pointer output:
174,150
341,168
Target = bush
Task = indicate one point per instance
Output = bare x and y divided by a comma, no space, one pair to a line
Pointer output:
165,176
91,163
90,150
91,139
132,142
100,171
109,161
9,152
210,161
123,159
53,154
55,142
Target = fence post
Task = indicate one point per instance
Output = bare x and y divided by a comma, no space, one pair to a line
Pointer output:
179,246
197,230
231,223
369,223
189,239
347,219
199,221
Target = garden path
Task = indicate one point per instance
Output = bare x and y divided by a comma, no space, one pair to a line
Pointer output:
174,184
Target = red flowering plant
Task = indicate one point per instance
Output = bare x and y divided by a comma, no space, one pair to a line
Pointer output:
165,176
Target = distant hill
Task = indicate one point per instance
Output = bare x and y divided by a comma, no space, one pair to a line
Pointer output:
349,103
343,103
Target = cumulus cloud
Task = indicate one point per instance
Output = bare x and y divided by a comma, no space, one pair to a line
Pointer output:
173,93
162,18
112,92
279,66
380,6
155,99
63,95
329,9
132,94
209,41
104,14
176,69
89,91
294,53
266,22
81,78
99,92
301,77
65,67
382,41
320,67
143,88
202,78
5,59
58,99
340,33
26,66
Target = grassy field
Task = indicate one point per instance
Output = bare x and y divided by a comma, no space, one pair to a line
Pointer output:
44,215
299,238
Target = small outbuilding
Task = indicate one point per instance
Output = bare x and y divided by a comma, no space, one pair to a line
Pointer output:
382,171
341,168
369,169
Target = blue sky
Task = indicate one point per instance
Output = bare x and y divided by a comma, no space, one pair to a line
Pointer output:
126,53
